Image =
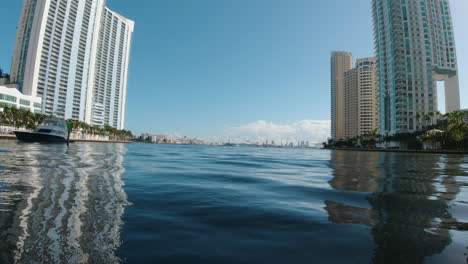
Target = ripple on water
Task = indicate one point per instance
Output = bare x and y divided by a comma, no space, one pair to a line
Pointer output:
108,203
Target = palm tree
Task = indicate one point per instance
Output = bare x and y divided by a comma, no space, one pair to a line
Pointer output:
418,118
369,139
457,128
426,119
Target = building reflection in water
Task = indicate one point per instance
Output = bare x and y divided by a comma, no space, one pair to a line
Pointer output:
409,198
61,205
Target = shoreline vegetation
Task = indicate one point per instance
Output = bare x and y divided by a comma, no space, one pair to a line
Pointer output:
439,134
22,119
415,151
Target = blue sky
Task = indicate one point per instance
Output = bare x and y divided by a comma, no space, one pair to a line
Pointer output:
202,67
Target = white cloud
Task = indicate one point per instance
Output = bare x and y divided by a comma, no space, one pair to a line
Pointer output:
308,130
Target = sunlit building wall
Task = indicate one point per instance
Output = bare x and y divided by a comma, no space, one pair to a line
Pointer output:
109,87
53,53
361,98
340,63
415,47
74,54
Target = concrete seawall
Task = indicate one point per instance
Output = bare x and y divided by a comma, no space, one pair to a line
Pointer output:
13,137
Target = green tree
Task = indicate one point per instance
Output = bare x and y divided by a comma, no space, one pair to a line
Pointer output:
457,129
369,139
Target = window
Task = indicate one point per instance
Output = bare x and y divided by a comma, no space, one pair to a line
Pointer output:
24,102
8,98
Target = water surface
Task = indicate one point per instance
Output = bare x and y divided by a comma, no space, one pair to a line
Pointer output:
143,203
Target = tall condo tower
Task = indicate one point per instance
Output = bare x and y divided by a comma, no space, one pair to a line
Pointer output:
340,63
52,53
415,47
109,89
361,98
56,56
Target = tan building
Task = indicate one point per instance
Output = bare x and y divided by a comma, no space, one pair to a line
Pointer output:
340,63
361,104
351,103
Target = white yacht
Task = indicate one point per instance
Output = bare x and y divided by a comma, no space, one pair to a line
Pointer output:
51,130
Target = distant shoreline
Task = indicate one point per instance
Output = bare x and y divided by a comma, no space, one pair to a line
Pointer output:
12,137
460,152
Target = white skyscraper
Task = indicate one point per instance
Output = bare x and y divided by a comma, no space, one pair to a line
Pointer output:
109,89
57,54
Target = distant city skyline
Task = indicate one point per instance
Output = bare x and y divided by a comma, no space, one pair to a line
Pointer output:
208,68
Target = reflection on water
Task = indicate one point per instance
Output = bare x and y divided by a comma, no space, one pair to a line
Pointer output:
410,197
59,204
199,204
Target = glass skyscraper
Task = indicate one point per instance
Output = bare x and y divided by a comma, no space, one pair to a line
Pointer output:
415,48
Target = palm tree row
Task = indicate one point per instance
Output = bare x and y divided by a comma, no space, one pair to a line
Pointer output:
29,120
453,131
97,130
20,117
428,118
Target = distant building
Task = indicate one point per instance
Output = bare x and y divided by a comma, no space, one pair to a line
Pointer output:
361,98
340,63
10,96
157,139
415,48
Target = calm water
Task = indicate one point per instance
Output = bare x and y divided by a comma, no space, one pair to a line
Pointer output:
141,203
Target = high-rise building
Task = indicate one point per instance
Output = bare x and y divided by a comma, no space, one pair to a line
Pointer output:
109,90
361,98
52,53
340,63
415,47
56,56
351,103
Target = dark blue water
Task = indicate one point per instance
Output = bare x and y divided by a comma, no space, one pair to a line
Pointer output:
142,203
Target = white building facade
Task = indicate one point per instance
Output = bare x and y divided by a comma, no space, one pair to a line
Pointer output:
109,89
55,55
11,96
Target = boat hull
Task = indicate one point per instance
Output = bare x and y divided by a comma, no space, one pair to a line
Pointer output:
38,137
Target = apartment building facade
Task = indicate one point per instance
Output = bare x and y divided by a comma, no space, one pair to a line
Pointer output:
340,63
415,48
56,53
